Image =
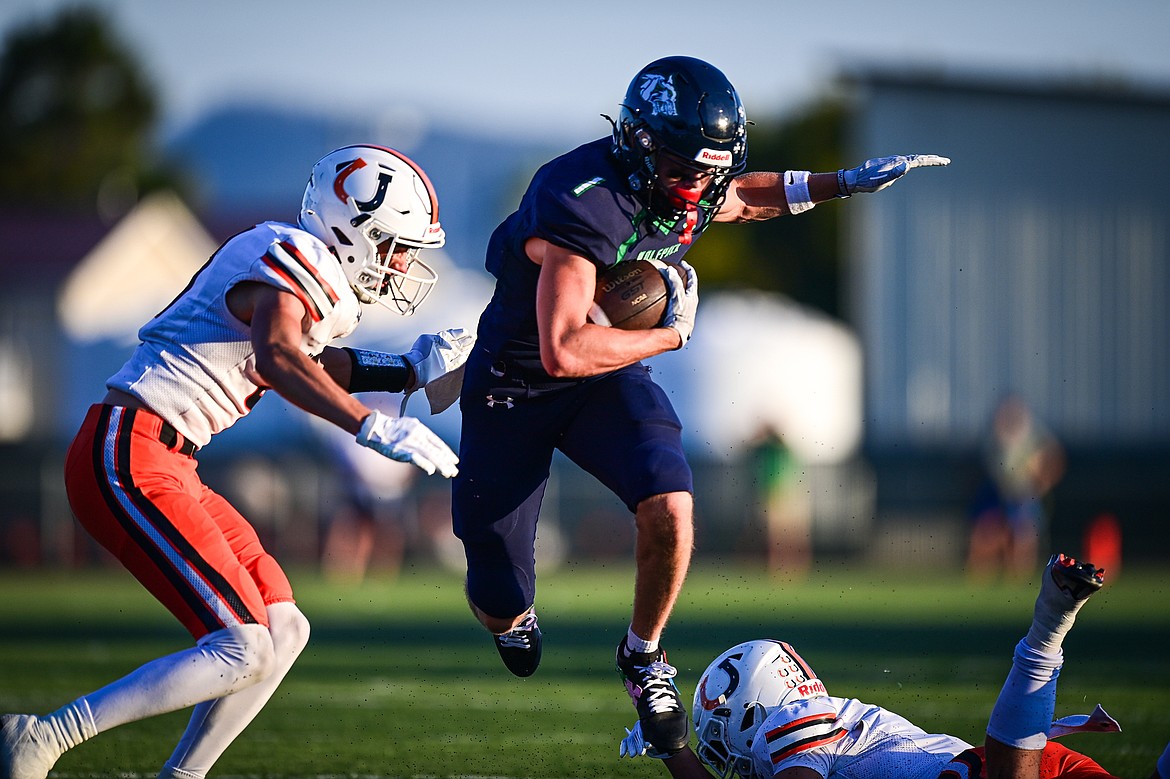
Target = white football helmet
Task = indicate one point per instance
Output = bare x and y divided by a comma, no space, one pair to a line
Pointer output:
738,691
362,201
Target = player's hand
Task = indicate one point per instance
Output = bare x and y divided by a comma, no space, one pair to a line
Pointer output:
636,745
434,356
683,285
407,440
881,172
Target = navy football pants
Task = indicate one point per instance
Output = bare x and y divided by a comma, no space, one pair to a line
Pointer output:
620,428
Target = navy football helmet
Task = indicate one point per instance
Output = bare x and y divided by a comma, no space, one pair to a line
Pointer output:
681,112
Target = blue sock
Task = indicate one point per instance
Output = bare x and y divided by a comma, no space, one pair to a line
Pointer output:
1023,712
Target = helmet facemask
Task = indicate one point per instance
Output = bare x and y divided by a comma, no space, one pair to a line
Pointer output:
376,280
712,748
669,198
681,111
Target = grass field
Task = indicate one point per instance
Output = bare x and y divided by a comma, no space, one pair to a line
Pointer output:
399,681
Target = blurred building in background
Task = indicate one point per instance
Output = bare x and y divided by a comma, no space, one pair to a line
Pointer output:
1038,264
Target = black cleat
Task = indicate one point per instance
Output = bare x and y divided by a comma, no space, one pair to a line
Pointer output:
1077,580
519,648
649,680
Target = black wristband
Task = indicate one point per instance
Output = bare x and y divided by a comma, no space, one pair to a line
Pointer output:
376,371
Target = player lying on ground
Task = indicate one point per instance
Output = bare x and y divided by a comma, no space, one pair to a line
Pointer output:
761,713
258,316
544,377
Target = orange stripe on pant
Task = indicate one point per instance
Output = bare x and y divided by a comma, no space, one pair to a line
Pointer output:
185,543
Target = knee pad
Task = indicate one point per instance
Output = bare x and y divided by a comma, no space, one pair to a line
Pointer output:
289,629
246,651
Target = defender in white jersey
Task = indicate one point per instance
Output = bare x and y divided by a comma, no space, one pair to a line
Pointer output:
761,713
788,719
259,316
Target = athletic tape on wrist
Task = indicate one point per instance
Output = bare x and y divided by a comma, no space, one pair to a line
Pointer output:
377,371
796,191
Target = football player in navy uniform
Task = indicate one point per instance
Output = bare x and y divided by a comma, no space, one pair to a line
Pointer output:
259,316
543,377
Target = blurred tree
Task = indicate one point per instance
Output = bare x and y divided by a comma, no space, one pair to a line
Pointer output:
76,114
799,257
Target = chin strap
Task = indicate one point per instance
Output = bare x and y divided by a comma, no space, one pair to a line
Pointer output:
692,220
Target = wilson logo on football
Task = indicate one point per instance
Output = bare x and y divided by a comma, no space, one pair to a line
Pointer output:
609,285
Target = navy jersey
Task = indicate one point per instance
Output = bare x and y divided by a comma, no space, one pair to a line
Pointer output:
580,201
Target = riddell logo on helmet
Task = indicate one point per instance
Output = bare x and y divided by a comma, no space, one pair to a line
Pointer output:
714,157
815,687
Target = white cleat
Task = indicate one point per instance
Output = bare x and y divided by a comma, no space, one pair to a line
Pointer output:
26,750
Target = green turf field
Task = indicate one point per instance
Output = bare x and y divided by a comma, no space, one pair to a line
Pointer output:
399,681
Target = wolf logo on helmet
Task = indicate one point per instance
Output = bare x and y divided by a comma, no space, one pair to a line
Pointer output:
686,109
659,92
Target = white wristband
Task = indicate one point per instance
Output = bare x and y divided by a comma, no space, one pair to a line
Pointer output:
796,191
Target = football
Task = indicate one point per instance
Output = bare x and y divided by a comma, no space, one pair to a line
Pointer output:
630,296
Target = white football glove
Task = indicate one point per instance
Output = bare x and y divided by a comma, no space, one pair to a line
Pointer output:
636,745
407,440
434,356
683,284
881,172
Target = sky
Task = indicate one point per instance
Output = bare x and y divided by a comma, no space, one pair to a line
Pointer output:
548,69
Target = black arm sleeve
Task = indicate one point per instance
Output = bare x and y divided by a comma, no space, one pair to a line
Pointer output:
377,371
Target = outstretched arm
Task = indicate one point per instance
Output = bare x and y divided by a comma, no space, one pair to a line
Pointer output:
686,765
432,357
756,196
